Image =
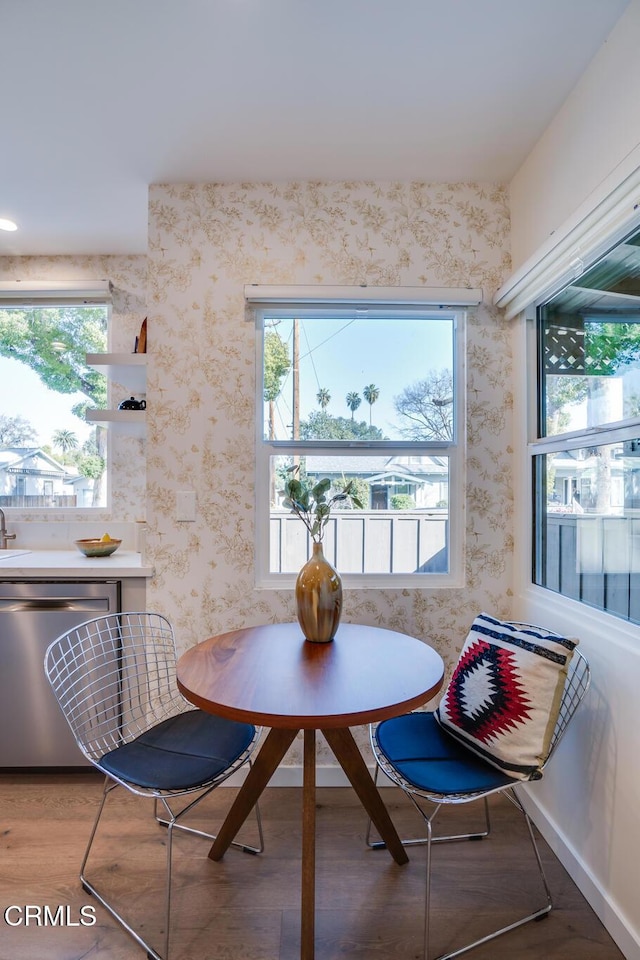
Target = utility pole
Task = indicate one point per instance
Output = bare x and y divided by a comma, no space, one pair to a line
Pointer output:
296,380
296,386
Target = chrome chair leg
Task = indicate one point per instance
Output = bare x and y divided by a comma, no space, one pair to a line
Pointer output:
170,821
427,896
89,887
108,786
536,915
245,847
167,909
422,841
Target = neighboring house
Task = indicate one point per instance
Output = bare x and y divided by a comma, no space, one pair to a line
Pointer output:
81,490
576,477
425,479
31,477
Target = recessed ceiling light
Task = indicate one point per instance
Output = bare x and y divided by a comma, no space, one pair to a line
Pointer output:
8,225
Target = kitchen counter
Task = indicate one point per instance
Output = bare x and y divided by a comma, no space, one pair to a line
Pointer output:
63,564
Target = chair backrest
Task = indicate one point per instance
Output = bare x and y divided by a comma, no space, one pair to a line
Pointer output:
575,688
114,678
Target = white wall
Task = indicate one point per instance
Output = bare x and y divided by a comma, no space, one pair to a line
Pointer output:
591,145
587,804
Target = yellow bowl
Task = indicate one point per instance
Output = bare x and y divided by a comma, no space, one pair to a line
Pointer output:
97,548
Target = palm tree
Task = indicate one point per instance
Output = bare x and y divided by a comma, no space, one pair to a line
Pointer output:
323,397
65,440
371,394
353,402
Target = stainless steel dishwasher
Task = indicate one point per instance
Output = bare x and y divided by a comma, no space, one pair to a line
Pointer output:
33,731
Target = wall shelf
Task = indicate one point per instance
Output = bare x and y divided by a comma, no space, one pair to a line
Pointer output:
131,422
129,369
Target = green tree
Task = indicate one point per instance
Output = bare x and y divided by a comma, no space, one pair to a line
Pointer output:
277,364
320,425
90,465
53,342
353,402
16,432
371,394
402,501
323,397
427,405
561,394
359,486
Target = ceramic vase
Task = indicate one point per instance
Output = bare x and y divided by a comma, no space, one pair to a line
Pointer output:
318,598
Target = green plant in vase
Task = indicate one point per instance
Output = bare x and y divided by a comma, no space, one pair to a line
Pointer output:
318,587
309,501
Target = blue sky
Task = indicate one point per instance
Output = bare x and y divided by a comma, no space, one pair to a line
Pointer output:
345,355
22,394
342,355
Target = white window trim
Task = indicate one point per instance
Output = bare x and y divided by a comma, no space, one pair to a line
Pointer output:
600,435
455,452
54,293
593,436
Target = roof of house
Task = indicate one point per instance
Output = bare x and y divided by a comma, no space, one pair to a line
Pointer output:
14,456
376,466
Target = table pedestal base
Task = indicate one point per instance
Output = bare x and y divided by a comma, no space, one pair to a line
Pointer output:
350,759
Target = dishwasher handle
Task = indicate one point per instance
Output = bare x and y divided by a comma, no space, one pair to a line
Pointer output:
88,604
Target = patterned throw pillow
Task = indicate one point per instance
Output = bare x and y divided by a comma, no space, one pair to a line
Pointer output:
504,697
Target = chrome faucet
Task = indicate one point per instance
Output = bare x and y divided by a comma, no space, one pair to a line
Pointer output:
4,536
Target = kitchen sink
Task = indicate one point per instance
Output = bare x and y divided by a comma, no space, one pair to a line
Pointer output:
8,554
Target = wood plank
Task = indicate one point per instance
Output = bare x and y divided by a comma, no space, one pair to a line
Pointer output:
248,907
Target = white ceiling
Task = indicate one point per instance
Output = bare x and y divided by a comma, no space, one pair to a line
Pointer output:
102,97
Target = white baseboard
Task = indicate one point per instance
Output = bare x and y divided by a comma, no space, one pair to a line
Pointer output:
612,919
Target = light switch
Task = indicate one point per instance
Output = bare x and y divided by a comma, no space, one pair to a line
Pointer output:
185,505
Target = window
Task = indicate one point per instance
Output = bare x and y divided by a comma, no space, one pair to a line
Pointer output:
371,393
586,458
50,456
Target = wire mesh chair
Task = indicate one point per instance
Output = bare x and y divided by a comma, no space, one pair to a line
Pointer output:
114,679
470,769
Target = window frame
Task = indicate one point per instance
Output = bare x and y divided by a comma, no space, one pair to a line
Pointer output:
540,443
454,450
52,294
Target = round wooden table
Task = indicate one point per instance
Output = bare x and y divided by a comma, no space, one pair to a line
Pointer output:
271,676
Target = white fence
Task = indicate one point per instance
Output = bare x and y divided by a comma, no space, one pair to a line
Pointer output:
365,541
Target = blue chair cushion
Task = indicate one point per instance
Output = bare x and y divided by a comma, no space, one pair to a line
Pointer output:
181,752
430,759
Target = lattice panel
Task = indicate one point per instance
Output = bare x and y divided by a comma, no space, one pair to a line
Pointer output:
580,352
564,351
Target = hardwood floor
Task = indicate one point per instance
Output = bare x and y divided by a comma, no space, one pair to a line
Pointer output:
247,907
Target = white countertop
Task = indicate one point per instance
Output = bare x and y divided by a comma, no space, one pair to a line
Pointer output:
60,564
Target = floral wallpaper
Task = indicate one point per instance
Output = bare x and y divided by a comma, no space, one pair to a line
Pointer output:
128,276
206,241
